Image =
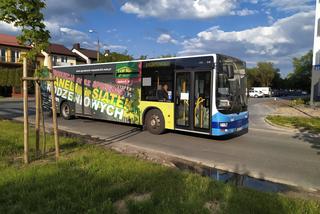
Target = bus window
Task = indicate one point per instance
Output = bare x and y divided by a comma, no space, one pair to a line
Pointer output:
157,81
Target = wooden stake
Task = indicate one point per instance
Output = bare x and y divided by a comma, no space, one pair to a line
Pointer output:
37,90
54,111
25,113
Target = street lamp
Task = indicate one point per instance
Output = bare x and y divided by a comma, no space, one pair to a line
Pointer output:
98,46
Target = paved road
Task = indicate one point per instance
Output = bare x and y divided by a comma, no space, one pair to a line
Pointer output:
265,152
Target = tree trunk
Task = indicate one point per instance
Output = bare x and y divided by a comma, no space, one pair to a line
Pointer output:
37,93
54,111
25,113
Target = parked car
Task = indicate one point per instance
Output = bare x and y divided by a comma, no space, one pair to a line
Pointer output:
267,92
256,93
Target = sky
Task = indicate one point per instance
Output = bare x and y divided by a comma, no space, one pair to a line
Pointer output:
252,30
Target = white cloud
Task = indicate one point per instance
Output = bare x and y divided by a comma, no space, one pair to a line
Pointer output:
292,5
244,12
280,41
176,9
8,28
166,38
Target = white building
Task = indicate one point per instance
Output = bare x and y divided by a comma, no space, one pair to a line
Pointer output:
315,85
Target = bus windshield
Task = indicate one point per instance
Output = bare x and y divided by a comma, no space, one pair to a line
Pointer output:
231,85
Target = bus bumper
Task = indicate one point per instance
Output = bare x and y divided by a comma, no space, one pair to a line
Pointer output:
228,124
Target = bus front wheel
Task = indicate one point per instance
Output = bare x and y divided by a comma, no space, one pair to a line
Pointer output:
155,122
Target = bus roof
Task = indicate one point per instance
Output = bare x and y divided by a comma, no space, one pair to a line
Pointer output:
145,60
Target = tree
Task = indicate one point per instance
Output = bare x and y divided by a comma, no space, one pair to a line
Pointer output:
116,57
167,56
252,74
266,73
27,16
263,75
300,78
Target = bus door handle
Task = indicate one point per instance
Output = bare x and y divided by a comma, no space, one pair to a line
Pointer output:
177,100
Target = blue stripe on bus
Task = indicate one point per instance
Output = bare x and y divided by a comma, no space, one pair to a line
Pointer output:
235,122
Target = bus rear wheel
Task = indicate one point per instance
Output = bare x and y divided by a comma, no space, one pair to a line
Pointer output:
66,111
155,122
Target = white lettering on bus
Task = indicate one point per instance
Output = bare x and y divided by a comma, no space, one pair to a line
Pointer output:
118,112
87,102
95,104
110,110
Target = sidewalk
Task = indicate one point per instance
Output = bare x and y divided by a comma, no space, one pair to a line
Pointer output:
16,99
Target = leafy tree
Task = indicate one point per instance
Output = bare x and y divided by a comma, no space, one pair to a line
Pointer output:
252,74
167,56
27,15
116,57
301,76
266,73
143,57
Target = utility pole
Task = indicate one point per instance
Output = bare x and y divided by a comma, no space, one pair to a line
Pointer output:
315,84
98,44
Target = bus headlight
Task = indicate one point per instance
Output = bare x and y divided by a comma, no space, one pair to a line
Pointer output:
224,125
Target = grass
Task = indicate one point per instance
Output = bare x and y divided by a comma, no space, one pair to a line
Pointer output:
89,179
310,124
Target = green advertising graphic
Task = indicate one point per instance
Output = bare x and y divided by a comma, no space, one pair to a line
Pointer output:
115,99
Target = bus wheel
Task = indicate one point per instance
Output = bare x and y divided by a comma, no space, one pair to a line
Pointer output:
155,122
66,111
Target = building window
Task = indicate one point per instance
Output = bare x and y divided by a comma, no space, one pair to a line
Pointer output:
15,56
55,59
64,59
2,54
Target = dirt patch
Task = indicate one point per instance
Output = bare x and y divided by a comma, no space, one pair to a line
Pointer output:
213,207
121,205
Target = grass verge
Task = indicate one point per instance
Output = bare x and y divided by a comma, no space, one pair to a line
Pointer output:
310,124
88,179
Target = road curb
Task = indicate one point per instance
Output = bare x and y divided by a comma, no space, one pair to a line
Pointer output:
290,129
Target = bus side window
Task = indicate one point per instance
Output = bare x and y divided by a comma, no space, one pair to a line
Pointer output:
157,81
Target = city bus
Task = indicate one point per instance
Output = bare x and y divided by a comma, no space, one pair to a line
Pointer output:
203,94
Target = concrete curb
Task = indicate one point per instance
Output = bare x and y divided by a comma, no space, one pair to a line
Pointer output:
125,147
290,129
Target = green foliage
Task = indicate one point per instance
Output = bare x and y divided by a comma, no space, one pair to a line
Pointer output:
90,179
263,75
10,77
311,124
167,56
298,102
27,15
116,57
301,76
143,57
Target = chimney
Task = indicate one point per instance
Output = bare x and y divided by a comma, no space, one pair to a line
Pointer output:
76,46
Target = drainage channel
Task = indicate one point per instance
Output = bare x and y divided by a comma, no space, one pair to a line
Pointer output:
234,178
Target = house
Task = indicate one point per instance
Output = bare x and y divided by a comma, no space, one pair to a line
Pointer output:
11,65
86,55
60,56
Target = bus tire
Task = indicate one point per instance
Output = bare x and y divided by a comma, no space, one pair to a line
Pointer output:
154,122
65,111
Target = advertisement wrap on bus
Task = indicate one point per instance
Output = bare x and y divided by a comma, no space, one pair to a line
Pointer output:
199,94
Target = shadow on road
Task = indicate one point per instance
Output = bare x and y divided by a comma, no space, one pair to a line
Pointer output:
310,138
210,137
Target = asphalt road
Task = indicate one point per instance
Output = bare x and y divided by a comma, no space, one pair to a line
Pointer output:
265,152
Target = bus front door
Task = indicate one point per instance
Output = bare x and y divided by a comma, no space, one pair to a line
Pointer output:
83,91
193,101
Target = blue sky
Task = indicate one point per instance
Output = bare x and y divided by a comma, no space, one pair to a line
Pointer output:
253,30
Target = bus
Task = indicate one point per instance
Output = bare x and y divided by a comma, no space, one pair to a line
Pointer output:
203,94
